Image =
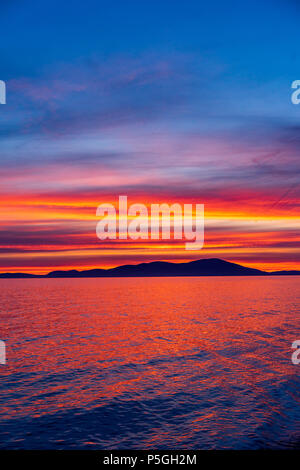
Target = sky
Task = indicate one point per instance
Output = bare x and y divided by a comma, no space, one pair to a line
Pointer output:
162,101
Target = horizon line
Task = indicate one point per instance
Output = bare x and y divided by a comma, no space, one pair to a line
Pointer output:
107,270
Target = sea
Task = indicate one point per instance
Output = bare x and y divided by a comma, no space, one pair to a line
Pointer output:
150,363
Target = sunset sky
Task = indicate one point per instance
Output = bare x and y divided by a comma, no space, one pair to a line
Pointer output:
162,101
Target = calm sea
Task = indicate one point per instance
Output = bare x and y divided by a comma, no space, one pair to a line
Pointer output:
150,363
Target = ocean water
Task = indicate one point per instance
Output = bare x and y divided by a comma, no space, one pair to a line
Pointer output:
150,363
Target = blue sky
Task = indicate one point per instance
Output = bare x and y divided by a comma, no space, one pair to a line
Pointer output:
258,36
241,56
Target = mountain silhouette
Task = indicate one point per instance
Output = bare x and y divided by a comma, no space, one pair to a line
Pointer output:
202,267
286,273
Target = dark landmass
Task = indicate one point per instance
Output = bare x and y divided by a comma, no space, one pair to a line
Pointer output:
202,267
285,273
18,275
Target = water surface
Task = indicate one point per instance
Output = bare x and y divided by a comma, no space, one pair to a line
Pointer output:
150,363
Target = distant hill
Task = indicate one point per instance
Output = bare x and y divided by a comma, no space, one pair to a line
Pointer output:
17,275
203,267
286,273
